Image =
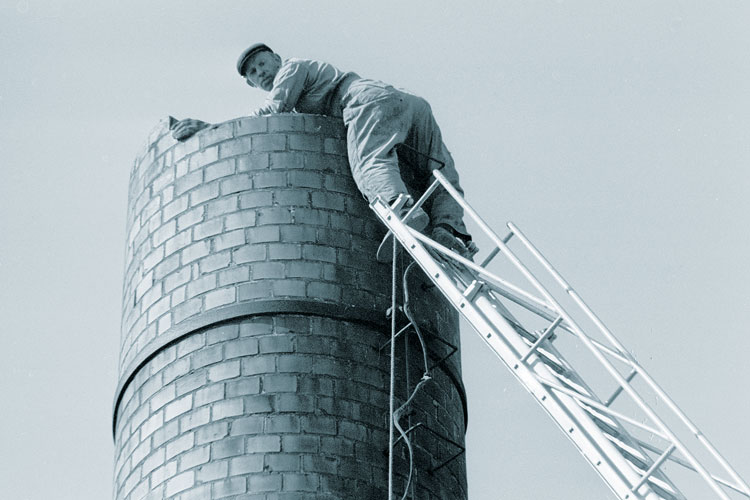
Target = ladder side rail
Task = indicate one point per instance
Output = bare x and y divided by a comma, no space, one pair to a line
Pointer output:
584,338
621,476
647,378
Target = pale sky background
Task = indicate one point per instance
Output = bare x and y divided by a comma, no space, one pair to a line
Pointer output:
616,134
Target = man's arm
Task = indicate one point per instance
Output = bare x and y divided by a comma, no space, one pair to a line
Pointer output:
287,89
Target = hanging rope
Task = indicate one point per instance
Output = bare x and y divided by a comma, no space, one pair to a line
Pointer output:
396,415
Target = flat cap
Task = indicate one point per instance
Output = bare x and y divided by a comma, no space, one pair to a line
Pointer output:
248,53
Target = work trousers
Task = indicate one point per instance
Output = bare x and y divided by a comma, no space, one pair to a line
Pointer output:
394,143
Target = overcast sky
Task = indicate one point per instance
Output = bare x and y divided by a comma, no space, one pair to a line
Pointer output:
616,134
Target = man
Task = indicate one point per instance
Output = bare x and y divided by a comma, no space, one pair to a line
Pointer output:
383,124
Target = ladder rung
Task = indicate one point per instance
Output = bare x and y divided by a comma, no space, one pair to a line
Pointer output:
657,463
617,392
547,333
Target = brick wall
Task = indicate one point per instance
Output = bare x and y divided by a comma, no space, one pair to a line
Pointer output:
252,361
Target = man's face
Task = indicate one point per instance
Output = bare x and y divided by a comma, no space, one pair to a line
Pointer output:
261,69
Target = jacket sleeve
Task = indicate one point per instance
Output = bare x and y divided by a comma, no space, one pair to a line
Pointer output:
287,89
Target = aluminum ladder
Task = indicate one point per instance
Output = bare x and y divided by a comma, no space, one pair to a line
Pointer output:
626,440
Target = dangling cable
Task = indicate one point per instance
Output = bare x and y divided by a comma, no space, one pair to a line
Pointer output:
425,377
393,372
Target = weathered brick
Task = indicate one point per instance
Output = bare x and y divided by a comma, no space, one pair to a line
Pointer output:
228,240
243,387
302,269
246,464
196,493
201,285
252,125
300,142
294,363
188,182
282,123
297,233
195,418
222,333
317,463
235,147
300,482
190,217
164,434
275,424
166,266
180,482
229,487
204,193
214,261
211,432
241,219
223,371
250,162
194,457
247,425
162,397
194,251
263,234
190,344
267,179
303,179
258,404
297,403
152,424
166,231
218,170
265,270
324,291
300,443
249,253
228,447
178,242
180,277
334,146
260,444
212,470
241,347
269,142
207,229
280,462
279,383
236,184
256,199
288,288
178,407
219,298
284,251
287,160
317,424
340,239
161,474
318,252
179,445
204,157
254,290
214,134
208,395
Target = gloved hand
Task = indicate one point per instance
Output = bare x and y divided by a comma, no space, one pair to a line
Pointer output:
448,239
183,130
